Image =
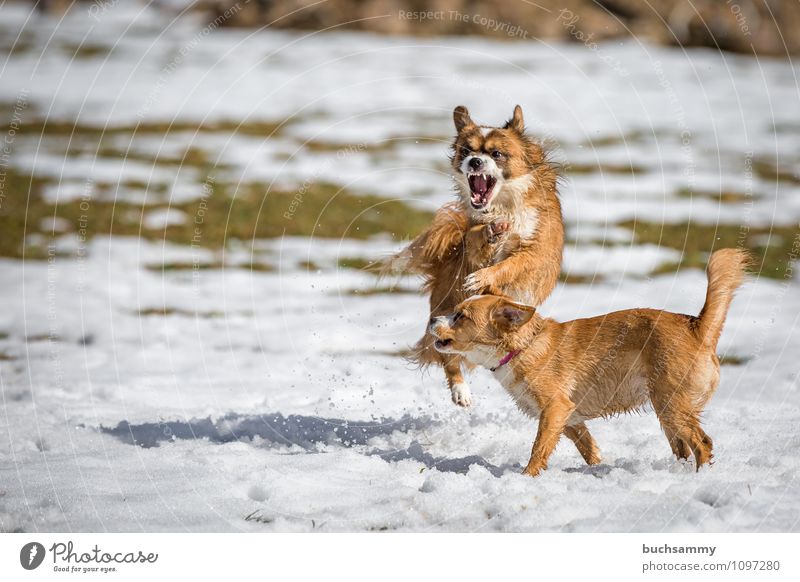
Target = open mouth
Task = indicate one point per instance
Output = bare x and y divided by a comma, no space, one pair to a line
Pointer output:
442,344
480,188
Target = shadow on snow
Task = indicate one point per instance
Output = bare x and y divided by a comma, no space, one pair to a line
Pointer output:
304,431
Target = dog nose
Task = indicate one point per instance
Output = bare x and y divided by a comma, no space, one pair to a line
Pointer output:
475,163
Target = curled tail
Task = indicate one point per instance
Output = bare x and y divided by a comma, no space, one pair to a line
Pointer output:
726,271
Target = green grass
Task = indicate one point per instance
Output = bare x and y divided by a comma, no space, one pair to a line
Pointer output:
575,279
695,241
358,263
370,291
192,157
309,266
629,169
165,311
85,50
725,196
225,214
733,360
611,140
167,267
55,128
771,171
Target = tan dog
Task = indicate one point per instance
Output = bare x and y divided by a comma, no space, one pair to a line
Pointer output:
504,235
566,373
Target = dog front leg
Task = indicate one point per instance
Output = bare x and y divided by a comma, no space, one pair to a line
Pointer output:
522,273
552,422
479,249
459,389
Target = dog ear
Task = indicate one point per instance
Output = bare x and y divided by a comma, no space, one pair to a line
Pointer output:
461,118
510,316
516,122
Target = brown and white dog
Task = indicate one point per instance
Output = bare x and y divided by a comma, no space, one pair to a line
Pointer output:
504,235
567,373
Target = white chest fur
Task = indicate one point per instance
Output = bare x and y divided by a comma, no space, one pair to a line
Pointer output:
525,223
519,392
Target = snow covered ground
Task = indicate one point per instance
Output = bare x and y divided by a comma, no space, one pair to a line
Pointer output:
230,399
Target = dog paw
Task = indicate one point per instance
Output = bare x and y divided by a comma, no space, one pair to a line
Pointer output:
461,395
532,470
494,230
477,281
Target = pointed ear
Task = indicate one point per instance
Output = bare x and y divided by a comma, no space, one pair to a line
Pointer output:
509,316
461,118
516,122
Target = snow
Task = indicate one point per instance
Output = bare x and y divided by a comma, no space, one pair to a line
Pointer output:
159,219
275,401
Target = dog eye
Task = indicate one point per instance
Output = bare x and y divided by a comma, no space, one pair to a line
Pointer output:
498,155
465,151
457,316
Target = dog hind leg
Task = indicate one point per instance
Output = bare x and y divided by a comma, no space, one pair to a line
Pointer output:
584,442
679,446
678,413
701,445
686,437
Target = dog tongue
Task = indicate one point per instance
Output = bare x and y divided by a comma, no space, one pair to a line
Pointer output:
477,184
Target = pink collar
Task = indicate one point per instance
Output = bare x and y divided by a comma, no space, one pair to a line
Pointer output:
506,359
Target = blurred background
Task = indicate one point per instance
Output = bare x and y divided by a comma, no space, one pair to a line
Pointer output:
190,194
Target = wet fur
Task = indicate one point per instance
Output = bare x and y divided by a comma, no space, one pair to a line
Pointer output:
567,373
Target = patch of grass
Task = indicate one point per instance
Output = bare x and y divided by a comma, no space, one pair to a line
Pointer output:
726,196
612,140
192,157
225,213
629,169
255,267
309,266
668,267
574,279
314,145
4,357
42,337
167,267
380,291
771,171
55,128
86,51
733,360
358,263
323,210
387,145
166,311
696,241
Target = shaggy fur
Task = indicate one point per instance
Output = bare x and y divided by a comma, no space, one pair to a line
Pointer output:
510,243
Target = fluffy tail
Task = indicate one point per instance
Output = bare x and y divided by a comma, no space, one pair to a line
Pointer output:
726,271
424,254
